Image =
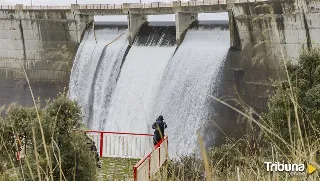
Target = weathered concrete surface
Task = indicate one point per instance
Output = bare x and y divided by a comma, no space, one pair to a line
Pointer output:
268,33
234,33
134,23
155,10
44,44
183,21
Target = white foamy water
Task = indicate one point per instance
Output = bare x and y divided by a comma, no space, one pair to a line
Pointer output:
138,83
129,97
95,70
186,83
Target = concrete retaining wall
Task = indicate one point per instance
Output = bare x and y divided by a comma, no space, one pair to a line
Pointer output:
42,42
267,33
270,32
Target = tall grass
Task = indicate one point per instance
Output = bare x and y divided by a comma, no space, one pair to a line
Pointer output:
11,172
43,161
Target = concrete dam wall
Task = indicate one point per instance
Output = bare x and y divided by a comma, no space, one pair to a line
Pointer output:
262,35
44,44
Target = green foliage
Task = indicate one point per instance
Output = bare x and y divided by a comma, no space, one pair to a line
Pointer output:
70,157
297,108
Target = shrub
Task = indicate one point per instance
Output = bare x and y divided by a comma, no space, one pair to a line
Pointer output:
49,142
294,109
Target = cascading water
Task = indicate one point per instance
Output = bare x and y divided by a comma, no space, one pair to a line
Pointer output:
140,78
189,78
96,69
127,96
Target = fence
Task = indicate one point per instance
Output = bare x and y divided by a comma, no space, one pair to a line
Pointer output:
124,145
150,5
131,5
152,162
45,7
7,7
202,3
101,6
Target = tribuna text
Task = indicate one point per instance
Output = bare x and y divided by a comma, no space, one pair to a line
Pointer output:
280,167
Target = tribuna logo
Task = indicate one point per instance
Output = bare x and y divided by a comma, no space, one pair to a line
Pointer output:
287,167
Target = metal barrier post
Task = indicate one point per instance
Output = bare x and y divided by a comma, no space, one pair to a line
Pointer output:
167,152
159,157
101,144
134,173
149,167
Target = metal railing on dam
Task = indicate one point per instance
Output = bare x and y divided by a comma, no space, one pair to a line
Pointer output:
152,5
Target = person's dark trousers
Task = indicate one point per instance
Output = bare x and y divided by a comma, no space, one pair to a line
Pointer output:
156,141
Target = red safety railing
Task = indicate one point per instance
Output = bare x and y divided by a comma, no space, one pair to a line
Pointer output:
152,162
121,144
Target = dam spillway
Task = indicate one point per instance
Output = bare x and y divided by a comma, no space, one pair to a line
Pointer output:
95,70
140,78
154,77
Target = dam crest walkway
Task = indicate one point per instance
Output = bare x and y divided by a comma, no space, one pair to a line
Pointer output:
204,6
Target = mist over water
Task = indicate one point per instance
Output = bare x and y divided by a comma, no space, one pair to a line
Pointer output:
189,78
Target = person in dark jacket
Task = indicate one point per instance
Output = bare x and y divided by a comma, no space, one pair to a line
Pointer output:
158,127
